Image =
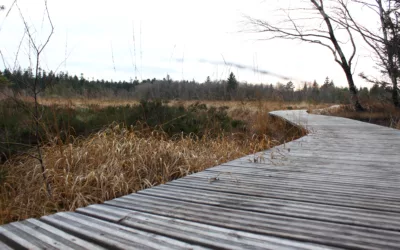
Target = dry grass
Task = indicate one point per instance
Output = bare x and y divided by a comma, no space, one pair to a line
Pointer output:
250,105
384,114
118,160
85,102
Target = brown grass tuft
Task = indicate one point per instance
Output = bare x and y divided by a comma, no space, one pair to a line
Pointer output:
384,114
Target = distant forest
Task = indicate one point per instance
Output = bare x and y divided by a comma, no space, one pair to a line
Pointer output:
72,86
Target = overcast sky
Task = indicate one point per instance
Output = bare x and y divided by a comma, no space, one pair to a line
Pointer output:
174,37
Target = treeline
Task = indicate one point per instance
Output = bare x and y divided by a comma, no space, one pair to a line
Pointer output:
70,86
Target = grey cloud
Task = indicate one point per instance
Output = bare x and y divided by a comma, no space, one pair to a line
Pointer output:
241,66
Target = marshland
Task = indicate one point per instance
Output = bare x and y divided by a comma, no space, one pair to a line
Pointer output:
69,140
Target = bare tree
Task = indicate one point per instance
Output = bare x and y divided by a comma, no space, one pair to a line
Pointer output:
324,34
383,40
36,89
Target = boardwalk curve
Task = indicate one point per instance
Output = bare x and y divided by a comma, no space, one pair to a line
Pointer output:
338,187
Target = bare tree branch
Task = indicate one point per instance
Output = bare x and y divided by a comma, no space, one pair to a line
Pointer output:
2,58
385,44
324,35
36,89
19,48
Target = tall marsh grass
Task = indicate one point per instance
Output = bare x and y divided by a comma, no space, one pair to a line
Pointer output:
120,159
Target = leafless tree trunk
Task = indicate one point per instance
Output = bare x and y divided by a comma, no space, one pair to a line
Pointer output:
324,35
384,40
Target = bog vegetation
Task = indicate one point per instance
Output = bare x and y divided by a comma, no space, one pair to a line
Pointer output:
95,153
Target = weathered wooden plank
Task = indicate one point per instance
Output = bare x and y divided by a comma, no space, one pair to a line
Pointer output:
198,233
296,195
3,245
391,151
389,172
69,239
44,237
18,239
336,214
278,156
328,136
337,235
316,159
332,178
337,175
240,180
111,234
339,144
382,172
359,157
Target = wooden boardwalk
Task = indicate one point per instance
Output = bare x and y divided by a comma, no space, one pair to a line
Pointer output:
338,187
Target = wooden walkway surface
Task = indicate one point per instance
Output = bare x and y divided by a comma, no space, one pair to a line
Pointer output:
338,187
